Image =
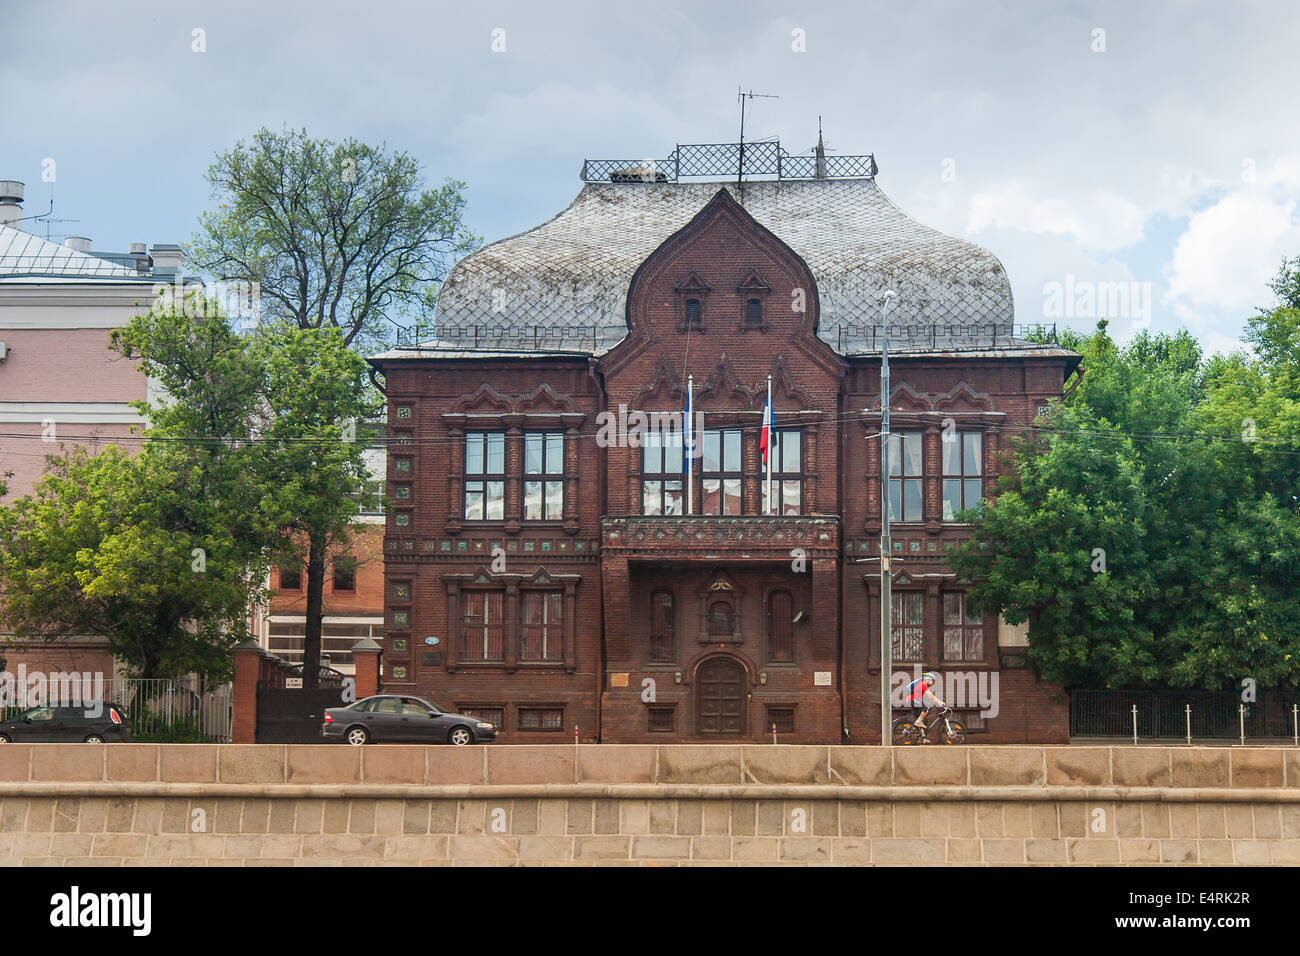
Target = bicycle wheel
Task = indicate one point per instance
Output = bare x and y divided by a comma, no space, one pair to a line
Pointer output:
954,732
906,733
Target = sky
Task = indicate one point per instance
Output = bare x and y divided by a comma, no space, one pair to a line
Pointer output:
1152,143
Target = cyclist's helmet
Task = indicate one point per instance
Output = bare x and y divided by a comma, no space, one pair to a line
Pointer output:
930,677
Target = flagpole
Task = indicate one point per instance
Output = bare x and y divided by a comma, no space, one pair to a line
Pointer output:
886,547
689,449
771,434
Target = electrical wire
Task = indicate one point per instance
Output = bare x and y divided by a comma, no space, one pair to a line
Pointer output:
782,420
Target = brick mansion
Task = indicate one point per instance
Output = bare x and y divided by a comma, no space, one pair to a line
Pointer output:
556,582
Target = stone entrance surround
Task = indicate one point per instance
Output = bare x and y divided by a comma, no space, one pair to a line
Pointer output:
152,804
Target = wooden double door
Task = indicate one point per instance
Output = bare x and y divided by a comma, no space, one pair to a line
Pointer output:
721,694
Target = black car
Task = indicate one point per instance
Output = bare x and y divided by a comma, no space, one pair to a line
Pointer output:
399,719
67,725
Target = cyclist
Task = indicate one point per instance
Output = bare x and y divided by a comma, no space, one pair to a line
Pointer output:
920,695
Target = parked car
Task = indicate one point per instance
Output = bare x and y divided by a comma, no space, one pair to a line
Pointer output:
67,725
397,718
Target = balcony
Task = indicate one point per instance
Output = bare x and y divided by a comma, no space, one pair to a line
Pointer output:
713,537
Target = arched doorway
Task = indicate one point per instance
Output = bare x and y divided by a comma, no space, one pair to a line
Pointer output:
720,699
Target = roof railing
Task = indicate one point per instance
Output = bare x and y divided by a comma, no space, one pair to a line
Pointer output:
724,160
847,336
939,336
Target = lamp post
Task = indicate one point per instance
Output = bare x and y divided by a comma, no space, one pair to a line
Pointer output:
886,549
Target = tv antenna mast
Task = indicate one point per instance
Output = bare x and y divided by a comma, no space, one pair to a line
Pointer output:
741,96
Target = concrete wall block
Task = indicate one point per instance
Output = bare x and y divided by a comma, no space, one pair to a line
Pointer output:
606,847
1045,851
1258,767
1007,766
250,763
700,764
931,766
908,851
806,849
787,764
1078,766
1201,767
1141,767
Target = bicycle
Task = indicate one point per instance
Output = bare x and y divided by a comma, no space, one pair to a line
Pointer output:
952,731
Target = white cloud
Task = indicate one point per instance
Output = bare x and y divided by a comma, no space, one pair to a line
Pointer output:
1100,219
1230,251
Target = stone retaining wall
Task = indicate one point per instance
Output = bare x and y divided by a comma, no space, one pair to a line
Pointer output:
632,805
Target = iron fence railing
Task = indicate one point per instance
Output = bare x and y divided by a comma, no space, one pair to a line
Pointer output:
934,336
180,710
1165,713
712,160
846,335
175,711
506,336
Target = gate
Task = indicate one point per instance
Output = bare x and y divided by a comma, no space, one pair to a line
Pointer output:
292,715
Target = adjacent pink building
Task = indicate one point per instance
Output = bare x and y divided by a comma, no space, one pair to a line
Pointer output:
60,384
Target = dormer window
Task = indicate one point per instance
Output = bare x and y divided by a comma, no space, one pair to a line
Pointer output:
694,310
691,291
752,292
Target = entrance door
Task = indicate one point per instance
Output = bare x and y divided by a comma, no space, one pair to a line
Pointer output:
721,702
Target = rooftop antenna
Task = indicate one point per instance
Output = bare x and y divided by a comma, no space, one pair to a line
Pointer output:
820,152
742,96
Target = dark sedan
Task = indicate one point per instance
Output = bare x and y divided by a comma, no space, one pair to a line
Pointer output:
393,718
67,725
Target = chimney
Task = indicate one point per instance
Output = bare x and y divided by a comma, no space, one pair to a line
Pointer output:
167,257
79,243
11,202
141,258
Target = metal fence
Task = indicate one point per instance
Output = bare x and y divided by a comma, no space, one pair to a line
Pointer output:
755,158
180,710
1182,713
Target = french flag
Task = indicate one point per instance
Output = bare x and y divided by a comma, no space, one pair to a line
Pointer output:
765,437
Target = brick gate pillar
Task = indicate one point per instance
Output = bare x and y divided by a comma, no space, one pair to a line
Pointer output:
249,658
366,654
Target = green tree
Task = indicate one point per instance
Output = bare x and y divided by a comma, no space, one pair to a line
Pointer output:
311,441
1254,401
334,235
153,551
108,544
1133,547
331,236
274,418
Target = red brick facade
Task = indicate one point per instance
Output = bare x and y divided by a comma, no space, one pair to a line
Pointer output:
350,614
727,665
